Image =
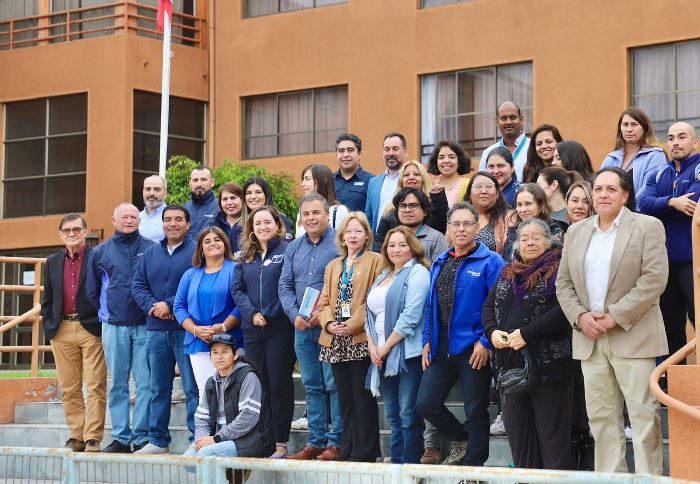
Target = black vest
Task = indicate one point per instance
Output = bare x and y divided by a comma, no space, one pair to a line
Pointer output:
256,443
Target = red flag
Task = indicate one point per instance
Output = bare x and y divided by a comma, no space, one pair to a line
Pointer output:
164,6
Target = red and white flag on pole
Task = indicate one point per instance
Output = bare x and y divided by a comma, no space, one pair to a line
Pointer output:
163,7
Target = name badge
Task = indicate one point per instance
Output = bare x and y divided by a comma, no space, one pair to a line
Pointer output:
344,310
359,184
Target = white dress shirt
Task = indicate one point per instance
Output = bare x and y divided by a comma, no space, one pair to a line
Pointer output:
522,143
596,265
151,225
386,195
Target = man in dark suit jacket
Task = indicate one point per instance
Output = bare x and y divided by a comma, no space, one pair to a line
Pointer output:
72,326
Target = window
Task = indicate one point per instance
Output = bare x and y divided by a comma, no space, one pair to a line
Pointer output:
186,135
257,8
437,3
45,156
13,10
666,84
461,105
295,122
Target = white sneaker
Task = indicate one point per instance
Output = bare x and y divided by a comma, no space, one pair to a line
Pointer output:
300,424
150,449
497,427
628,432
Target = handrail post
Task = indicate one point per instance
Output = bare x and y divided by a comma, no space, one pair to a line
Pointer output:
12,31
36,320
696,273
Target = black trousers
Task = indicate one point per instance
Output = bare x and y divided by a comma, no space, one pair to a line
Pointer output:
358,411
677,304
272,352
538,425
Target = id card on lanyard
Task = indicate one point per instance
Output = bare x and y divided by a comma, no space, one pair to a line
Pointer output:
345,278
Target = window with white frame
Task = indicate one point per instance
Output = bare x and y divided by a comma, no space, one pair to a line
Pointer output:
257,8
45,156
461,105
666,84
294,123
437,3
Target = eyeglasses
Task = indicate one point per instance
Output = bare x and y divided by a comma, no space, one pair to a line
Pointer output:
75,230
410,207
484,186
466,225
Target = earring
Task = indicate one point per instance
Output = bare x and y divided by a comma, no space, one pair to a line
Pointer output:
342,243
254,240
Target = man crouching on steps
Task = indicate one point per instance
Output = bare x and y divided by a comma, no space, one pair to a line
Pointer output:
233,417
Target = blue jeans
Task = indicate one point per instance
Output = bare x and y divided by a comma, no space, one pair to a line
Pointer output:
400,394
226,448
164,349
435,386
319,384
125,352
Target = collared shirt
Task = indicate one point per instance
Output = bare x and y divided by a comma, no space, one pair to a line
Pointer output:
304,266
151,225
71,278
522,143
352,192
596,265
386,195
172,249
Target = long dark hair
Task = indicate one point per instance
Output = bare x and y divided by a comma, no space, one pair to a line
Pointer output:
251,245
325,185
500,208
540,199
564,178
648,136
198,259
574,157
534,164
267,191
463,164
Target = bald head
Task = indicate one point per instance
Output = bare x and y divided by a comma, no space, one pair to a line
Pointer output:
126,218
509,120
155,189
682,141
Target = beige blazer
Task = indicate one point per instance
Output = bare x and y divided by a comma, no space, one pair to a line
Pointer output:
638,276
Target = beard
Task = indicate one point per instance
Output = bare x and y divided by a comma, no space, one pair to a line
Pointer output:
153,204
393,163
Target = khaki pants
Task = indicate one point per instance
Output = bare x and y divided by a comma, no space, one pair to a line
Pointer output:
609,382
79,356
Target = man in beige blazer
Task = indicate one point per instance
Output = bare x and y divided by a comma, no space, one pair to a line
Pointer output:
614,268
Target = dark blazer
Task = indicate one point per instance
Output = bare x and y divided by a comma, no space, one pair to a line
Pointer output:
52,299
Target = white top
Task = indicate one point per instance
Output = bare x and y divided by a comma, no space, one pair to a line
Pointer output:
336,215
376,302
596,265
518,161
151,225
386,195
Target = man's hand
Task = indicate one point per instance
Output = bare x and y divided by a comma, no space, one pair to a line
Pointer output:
160,310
590,326
313,320
606,320
301,323
259,320
479,357
683,204
203,442
426,356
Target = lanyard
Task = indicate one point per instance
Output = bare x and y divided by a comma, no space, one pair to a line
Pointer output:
517,150
346,277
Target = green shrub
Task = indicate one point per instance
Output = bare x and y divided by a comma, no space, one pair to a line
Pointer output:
282,186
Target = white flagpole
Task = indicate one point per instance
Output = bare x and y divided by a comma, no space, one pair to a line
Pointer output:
165,96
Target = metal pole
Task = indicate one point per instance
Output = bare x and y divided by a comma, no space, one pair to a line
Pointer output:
165,97
696,274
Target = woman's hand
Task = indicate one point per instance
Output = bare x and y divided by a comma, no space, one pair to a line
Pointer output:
499,339
259,320
374,356
205,333
342,329
203,442
426,356
516,341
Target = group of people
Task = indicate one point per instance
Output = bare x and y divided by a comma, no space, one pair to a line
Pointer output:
558,284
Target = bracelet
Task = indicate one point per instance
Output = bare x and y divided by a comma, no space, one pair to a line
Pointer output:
195,332
223,325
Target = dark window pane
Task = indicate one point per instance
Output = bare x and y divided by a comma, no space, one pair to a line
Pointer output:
65,194
68,114
137,187
146,150
67,154
146,111
255,8
24,158
23,198
186,118
191,149
26,119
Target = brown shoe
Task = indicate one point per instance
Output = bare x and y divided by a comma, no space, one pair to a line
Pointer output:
431,456
75,445
331,453
307,453
92,445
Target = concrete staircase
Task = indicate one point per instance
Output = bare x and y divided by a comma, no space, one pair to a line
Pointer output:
42,424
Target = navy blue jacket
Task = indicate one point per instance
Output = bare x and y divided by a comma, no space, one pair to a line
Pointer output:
669,183
203,211
353,192
157,278
233,233
254,290
111,269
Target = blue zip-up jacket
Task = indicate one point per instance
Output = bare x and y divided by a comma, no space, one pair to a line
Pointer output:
111,269
668,184
203,212
645,164
304,266
157,278
474,279
254,290
233,233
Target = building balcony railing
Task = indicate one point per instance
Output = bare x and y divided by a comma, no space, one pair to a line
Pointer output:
119,17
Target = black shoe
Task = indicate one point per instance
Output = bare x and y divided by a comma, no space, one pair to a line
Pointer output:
140,446
117,447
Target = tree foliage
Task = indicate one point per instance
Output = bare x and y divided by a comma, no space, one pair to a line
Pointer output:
282,186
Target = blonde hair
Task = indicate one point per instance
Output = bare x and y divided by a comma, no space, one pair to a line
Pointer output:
414,244
362,219
427,182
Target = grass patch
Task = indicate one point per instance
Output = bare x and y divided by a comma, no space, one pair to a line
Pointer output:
8,374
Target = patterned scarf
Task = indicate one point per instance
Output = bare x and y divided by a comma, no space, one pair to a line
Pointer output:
523,276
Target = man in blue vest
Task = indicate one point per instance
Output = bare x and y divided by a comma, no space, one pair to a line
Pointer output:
203,206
